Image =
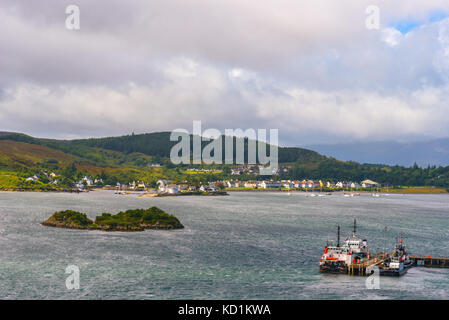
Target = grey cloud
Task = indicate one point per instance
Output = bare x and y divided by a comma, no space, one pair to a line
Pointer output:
313,71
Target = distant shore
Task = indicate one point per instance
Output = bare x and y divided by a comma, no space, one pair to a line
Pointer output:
410,190
407,190
182,194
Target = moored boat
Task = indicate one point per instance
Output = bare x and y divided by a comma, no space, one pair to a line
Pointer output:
398,262
338,258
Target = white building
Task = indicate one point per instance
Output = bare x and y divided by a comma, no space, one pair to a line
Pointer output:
369,183
162,184
88,180
33,178
270,185
172,189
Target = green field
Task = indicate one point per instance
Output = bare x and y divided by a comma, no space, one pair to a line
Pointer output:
128,158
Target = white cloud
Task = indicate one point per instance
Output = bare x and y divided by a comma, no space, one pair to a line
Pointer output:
391,36
310,69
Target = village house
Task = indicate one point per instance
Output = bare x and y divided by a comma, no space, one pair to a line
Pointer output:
354,185
183,187
171,188
162,184
33,178
250,184
369,183
270,185
154,165
311,184
209,188
88,180
141,185
236,172
234,184
340,184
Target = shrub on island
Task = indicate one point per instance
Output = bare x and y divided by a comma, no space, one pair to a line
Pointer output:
130,220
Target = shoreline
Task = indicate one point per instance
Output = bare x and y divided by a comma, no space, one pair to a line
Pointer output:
226,192
335,192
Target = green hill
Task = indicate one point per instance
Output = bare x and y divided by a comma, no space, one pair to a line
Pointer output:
126,158
150,144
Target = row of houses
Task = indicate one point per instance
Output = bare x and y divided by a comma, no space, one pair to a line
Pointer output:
256,169
165,186
88,182
304,184
51,177
201,170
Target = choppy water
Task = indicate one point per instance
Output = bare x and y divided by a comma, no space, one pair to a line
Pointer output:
245,246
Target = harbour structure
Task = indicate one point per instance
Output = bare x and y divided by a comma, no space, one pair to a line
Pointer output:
353,257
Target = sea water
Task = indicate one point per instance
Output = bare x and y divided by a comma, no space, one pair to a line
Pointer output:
241,246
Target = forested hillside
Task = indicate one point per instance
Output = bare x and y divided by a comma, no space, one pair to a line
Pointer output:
128,158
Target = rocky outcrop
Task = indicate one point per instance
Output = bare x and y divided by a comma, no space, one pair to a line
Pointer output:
131,220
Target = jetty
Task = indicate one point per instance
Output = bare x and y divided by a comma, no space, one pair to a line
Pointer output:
430,262
354,258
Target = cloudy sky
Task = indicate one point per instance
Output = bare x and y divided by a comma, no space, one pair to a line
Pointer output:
311,69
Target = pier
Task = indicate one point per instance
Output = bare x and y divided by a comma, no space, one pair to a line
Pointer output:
430,262
364,268
353,258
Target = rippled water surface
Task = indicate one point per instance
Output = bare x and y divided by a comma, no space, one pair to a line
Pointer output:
244,246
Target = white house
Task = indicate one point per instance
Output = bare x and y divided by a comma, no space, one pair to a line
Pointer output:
33,178
236,172
155,165
172,188
288,185
88,181
270,185
250,184
209,188
369,183
340,184
79,185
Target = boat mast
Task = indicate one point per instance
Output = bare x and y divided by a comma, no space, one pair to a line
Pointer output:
338,236
355,227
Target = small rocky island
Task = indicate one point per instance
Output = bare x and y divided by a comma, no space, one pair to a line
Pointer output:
130,220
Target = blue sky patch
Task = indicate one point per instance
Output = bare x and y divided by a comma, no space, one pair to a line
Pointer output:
406,25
